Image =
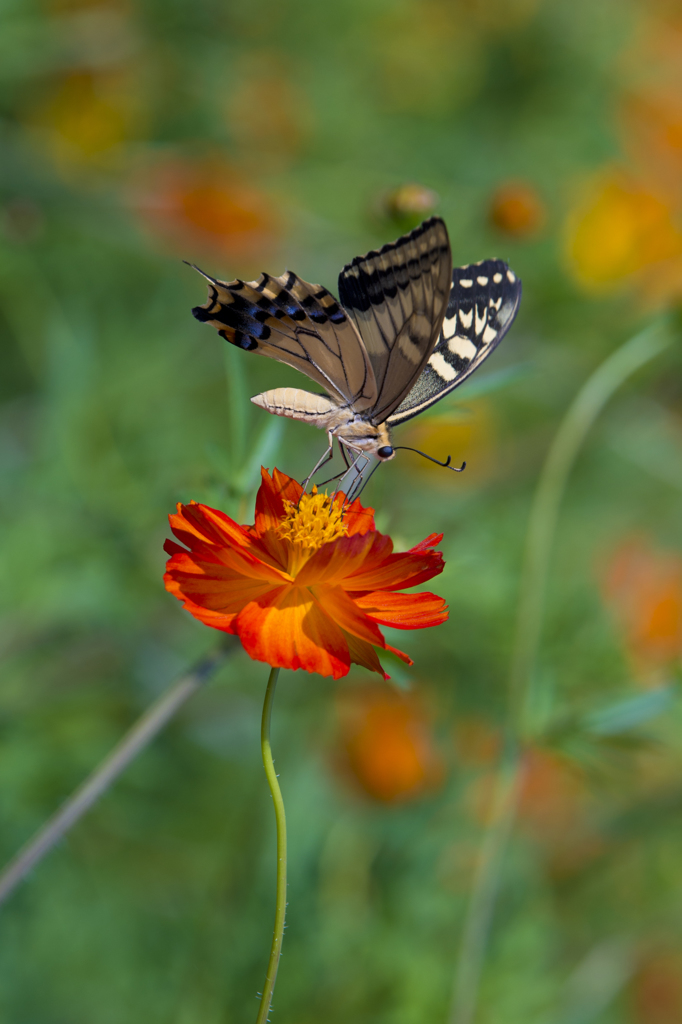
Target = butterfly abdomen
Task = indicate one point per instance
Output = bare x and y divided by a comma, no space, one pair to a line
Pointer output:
297,404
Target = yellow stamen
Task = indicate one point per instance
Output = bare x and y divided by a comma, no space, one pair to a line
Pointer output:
313,521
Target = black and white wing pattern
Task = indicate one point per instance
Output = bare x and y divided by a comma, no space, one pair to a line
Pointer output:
484,299
397,297
296,323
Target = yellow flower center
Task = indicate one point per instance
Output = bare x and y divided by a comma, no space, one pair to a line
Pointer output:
313,521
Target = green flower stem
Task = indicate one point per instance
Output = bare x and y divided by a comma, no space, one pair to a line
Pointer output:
135,740
280,818
575,426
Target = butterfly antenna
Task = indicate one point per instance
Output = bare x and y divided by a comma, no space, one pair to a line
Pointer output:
445,465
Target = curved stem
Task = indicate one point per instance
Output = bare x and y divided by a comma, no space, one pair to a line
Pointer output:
542,523
575,426
135,740
281,899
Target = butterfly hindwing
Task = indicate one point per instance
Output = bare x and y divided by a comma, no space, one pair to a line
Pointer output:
483,302
397,297
296,323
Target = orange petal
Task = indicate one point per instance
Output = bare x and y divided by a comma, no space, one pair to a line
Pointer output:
401,570
357,518
212,550
403,611
287,628
220,595
362,653
271,500
347,615
335,560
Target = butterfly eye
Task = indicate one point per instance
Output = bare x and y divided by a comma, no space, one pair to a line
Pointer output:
386,452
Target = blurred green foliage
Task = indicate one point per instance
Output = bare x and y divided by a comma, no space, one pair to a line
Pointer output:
246,137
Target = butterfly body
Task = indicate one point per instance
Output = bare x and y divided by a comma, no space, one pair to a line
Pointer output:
351,428
407,330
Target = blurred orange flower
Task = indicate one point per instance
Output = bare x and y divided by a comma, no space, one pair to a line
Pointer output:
517,210
621,229
308,585
657,990
643,585
204,204
268,115
387,741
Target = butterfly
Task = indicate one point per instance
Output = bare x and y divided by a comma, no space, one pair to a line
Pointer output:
407,330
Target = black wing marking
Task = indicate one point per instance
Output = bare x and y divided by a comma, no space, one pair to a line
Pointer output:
397,299
297,323
484,300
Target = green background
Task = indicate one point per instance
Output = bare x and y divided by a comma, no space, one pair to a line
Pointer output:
115,404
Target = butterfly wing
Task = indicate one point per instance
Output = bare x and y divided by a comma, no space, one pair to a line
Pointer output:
297,323
484,300
397,298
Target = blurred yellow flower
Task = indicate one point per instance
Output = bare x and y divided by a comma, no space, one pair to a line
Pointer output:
622,227
88,116
467,434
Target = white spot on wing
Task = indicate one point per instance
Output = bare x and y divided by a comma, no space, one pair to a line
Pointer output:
481,321
466,318
482,280
451,326
489,335
496,303
442,367
511,276
497,278
463,347
465,282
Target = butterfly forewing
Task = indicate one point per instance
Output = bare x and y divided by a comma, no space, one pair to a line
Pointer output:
483,302
397,298
296,323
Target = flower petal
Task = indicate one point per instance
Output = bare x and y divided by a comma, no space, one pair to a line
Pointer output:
288,628
397,570
357,518
335,560
217,541
336,603
403,611
227,596
362,653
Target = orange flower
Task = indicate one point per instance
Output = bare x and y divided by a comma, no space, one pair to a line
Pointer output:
204,204
308,585
388,744
517,210
644,587
657,989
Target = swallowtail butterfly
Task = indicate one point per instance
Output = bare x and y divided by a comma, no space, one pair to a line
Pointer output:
408,330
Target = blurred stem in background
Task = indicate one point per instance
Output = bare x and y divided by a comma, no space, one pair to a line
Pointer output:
523,726
135,740
280,818
241,471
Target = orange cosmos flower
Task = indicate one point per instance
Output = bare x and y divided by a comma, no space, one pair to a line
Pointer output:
388,746
308,585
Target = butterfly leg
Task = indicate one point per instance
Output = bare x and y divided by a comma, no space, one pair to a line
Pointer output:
359,462
329,454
